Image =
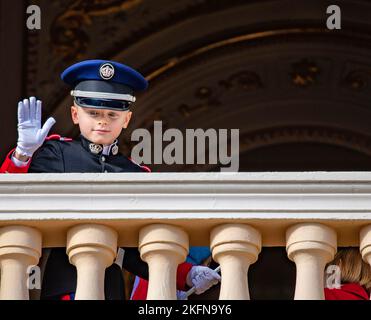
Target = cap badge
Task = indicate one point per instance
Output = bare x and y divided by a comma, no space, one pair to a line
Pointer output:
107,71
95,148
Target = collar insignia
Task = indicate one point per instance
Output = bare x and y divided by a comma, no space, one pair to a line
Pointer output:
115,149
95,148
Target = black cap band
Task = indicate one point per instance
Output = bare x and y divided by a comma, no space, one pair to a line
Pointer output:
118,105
104,86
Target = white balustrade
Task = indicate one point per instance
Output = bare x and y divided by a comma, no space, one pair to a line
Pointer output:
20,249
163,247
235,247
91,248
310,246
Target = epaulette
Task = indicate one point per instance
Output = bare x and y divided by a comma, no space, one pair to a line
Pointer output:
57,137
143,167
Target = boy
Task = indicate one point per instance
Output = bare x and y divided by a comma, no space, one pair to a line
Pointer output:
103,93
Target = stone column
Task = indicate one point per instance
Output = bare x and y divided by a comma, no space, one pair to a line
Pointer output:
91,248
310,246
163,247
235,247
20,249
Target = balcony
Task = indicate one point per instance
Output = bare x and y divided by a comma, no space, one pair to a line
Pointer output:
236,214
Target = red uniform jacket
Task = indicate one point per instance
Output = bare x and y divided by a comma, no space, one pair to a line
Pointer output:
9,167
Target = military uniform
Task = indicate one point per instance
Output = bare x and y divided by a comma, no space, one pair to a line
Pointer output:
67,155
59,154
102,85
81,155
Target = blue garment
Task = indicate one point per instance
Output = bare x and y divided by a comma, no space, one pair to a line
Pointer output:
197,255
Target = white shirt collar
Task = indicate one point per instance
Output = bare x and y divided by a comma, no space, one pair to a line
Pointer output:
107,149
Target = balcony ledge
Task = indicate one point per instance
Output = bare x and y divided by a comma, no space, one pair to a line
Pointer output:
268,201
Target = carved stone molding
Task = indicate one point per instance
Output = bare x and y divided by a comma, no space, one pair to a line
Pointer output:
203,73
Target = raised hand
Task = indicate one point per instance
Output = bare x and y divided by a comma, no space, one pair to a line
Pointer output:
30,133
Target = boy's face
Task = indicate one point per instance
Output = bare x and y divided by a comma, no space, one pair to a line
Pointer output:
100,126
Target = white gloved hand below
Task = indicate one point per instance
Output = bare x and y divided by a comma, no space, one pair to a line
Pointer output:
202,278
181,295
30,134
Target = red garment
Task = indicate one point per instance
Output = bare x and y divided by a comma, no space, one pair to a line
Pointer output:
348,291
140,292
9,167
70,296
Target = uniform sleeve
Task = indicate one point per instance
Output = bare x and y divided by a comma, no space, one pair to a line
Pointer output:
181,275
9,166
47,159
135,265
140,289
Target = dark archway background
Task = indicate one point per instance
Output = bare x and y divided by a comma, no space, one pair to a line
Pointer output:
299,93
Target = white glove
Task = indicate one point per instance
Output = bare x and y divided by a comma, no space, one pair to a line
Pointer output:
30,134
202,278
181,295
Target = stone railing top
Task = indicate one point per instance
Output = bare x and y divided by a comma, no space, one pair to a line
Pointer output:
270,201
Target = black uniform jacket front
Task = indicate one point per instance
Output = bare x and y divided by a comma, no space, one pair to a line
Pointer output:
81,155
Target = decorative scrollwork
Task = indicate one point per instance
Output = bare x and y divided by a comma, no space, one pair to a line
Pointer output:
245,80
357,79
70,40
304,73
332,136
205,94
